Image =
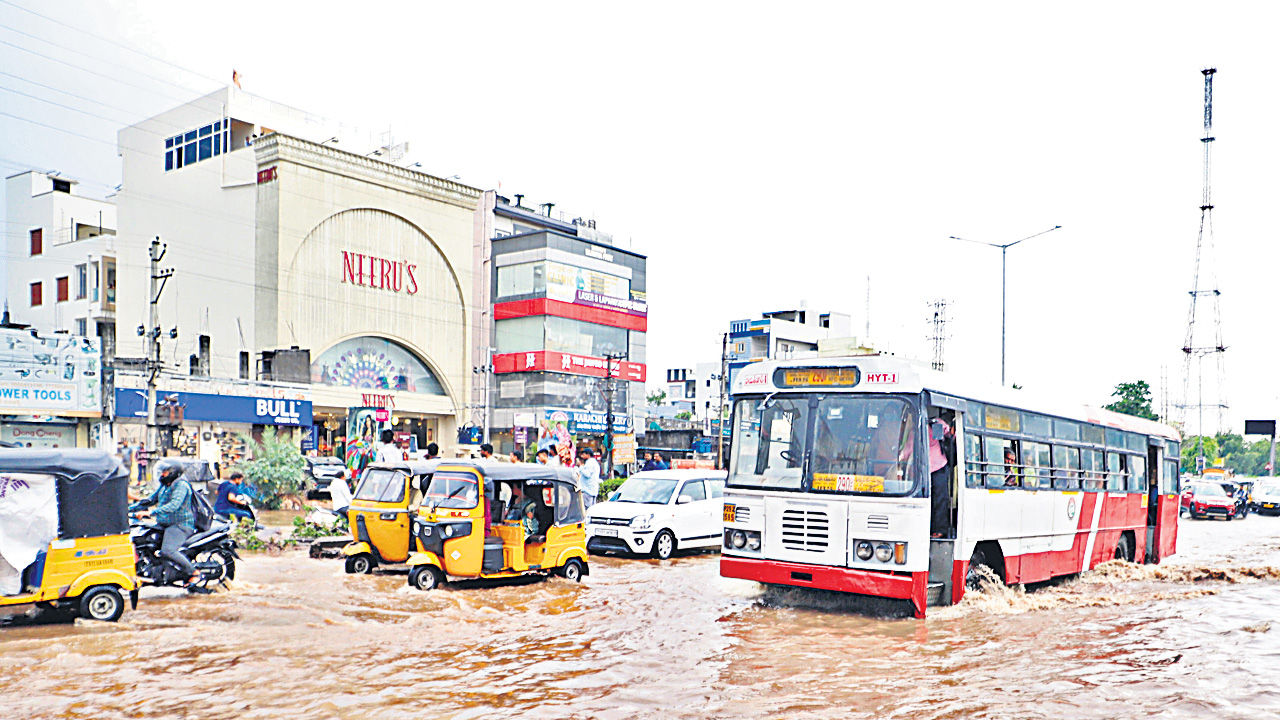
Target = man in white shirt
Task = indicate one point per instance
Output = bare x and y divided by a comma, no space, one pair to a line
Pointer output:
588,477
388,451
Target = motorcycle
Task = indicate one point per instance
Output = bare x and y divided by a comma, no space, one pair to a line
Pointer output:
212,552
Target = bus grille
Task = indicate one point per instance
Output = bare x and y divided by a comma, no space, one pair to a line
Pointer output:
804,530
877,522
742,514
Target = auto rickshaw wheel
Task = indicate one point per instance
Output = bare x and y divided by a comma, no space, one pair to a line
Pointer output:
360,564
425,577
572,570
102,602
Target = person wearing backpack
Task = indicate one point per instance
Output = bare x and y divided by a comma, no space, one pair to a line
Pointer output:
171,506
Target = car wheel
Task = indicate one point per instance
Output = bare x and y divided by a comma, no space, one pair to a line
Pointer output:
102,602
573,570
425,577
360,564
664,545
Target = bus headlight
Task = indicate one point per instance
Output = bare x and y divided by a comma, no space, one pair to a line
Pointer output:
753,541
739,539
884,553
864,550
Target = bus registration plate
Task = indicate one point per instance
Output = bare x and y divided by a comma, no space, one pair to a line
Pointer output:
848,483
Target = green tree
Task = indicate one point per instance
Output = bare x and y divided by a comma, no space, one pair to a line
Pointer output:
275,470
656,397
1189,452
684,415
1135,399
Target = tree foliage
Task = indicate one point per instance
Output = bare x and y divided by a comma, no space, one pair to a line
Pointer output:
1246,459
656,397
275,470
1135,400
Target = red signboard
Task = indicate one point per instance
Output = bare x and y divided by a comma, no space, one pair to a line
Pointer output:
572,311
552,361
381,415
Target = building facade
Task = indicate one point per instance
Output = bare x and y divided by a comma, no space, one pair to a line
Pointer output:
570,318
60,257
300,257
781,334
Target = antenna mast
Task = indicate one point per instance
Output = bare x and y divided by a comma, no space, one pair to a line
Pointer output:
939,336
1196,346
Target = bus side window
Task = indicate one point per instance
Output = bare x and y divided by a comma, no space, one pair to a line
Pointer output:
1036,458
1169,481
1002,463
1115,472
1094,474
1066,468
974,467
1137,474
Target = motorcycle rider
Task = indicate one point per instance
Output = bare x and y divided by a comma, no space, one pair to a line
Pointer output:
171,508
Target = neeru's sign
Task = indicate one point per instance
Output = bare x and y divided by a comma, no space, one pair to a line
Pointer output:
379,273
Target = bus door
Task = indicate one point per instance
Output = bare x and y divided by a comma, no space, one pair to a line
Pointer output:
1159,522
1166,532
944,438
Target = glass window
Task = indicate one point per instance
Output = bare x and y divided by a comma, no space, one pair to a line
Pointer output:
217,144
1036,461
584,338
646,490
568,505
769,442
716,486
1066,468
1037,425
564,281
82,281
1115,438
523,279
1115,472
1171,449
694,489
217,126
1169,478
189,154
1136,443
1066,430
1091,434
453,490
1002,462
375,364
177,158
516,335
168,161
168,142
999,418
974,468
206,130
37,294
1137,473
863,444
189,136
975,416
206,148
1095,476
381,486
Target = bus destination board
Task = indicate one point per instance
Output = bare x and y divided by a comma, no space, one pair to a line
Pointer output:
817,377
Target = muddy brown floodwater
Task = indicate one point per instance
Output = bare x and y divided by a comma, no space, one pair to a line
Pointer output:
295,637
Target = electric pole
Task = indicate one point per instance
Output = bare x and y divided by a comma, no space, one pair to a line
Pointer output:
609,360
158,279
939,336
724,353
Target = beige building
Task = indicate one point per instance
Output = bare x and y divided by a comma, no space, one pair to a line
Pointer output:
284,231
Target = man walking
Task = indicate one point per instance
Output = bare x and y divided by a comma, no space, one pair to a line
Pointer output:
588,477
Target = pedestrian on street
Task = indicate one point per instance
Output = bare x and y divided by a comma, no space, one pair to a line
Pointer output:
588,477
388,451
486,451
659,463
649,464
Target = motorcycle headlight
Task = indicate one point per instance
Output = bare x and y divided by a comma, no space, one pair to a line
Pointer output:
884,553
864,550
641,522
739,539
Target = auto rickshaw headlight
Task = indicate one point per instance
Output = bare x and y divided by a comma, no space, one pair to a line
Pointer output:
448,531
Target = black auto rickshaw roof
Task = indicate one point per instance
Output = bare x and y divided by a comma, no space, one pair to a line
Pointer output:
92,487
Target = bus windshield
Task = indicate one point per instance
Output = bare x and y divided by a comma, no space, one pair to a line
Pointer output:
859,444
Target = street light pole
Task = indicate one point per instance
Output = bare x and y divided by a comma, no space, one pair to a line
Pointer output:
1004,287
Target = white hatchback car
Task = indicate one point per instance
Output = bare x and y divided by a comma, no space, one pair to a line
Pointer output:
659,511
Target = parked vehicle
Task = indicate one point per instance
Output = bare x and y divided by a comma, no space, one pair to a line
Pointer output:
1266,498
64,532
482,519
1207,499
380,513
321,471
658,512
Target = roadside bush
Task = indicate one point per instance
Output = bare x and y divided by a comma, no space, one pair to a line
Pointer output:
608,486
275,471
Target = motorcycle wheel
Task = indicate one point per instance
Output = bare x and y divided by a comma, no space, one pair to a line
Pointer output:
226,567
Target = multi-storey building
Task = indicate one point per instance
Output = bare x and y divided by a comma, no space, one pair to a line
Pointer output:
781,334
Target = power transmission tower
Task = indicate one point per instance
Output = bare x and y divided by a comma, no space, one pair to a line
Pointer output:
939,332
1198,344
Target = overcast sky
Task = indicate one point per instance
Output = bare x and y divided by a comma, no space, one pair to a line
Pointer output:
767,154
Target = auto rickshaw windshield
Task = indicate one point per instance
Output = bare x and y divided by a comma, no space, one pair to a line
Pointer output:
453,490
379,485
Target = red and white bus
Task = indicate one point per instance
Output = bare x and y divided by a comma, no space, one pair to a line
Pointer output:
829,482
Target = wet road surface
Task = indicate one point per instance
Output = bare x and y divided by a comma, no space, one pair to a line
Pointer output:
296,637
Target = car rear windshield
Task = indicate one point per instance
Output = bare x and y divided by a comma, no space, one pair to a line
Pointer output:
381,486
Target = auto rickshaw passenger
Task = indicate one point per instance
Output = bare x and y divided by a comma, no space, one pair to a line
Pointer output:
530,523
519,501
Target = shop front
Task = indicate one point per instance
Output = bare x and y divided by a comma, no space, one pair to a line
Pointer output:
211,419
50,389
367,384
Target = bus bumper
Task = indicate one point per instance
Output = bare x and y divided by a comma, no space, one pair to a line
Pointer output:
906,586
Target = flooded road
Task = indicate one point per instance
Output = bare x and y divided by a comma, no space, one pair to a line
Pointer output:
296,637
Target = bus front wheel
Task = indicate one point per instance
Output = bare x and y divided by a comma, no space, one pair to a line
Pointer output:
982,570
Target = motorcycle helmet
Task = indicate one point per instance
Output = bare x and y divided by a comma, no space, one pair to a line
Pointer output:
167,470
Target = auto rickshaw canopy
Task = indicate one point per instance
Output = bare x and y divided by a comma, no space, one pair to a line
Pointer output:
92,487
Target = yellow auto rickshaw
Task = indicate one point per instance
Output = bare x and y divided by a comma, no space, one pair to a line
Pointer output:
381,513
64,532
496,520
